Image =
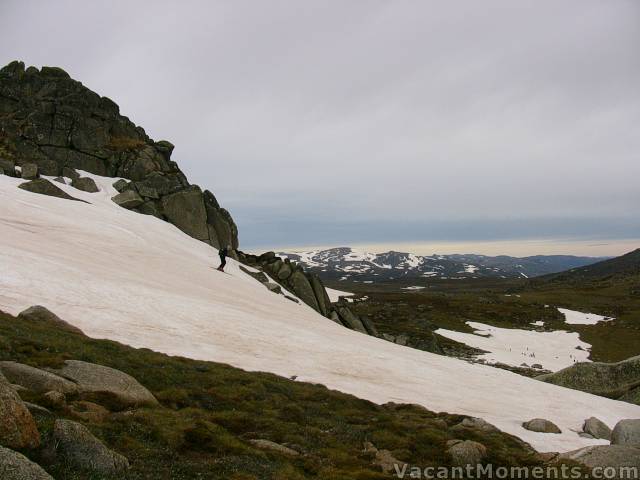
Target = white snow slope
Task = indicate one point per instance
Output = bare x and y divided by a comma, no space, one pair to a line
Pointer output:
578,318
138,280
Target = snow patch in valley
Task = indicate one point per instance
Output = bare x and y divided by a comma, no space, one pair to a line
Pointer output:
574,317
135,279
538,323
511,346
414,287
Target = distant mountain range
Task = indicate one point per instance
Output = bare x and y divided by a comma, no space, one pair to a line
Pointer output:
345,263
625,266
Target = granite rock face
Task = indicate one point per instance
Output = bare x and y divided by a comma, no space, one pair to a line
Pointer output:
52,125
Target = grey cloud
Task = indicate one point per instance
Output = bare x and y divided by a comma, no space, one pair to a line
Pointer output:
440,115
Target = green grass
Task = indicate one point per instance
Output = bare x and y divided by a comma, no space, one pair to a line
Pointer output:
209,411
449,304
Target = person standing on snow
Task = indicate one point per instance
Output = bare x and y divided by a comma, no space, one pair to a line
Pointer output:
223,252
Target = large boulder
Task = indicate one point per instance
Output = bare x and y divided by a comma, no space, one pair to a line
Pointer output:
106,385
71,173
302,288
8,167
596,428
541,425
284,272
86,184
606,456
43,186
29,171
15,466
619,380
17,427
349,319
466,452
369,326
128,199
626,432
324,304
185,209
120,185
474,423
223,230
35,379
77,447
41,314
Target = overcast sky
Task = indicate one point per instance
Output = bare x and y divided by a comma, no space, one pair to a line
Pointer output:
344,122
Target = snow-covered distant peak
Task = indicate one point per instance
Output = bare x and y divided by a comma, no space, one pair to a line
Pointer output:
366,266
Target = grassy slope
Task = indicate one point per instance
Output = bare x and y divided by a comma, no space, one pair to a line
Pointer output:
449,304
210,410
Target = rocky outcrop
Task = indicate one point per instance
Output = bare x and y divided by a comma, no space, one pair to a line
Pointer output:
620,381
106,384
350,319
40,314
302,288
35,379
75,445
54,123
307,287
17,427
541,425
43,186
85,184
15,466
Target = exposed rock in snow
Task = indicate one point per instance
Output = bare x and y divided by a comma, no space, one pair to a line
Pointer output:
626,432
39,313
541,425
596,428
